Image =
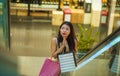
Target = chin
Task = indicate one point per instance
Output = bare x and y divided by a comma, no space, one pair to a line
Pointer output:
63,35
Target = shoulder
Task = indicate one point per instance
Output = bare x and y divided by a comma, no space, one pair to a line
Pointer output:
54,39
75,40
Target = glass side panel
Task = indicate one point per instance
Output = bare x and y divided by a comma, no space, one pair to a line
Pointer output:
4,34
95,63
1,25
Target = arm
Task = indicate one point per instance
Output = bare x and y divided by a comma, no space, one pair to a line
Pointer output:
76,45
53,48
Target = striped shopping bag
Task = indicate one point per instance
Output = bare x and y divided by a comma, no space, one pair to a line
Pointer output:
67,62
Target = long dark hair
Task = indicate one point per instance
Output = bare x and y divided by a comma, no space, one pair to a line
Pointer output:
71,38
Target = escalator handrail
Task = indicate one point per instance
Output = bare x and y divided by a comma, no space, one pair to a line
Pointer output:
101,43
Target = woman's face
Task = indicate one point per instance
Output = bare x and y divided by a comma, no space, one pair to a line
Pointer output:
65,30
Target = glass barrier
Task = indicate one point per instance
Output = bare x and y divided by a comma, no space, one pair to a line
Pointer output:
95,63
4,24
8,64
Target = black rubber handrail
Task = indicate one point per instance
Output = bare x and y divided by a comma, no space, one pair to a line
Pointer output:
111,36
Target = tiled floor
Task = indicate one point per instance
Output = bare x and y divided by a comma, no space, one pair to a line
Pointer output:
31,38
30,41
30,66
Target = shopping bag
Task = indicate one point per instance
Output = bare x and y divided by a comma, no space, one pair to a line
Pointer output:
67,62
50,68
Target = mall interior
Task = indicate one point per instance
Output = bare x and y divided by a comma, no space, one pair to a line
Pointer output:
27,27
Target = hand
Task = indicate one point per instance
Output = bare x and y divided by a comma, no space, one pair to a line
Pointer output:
66,44
64,41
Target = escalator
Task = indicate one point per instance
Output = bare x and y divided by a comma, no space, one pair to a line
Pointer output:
103,59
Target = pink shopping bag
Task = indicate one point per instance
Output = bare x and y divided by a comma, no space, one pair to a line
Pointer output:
50,68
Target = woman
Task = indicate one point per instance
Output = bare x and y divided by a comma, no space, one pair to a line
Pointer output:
66,41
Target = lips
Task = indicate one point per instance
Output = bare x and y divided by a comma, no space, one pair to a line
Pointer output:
64,33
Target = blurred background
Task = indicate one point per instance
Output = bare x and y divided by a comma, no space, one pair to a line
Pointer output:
27,26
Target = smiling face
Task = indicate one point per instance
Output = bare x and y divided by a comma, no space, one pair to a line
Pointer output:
65,30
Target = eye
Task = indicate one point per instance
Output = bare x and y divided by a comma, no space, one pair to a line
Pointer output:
67,28
62,28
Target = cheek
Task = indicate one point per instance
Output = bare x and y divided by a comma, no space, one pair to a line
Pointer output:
68,32
60,31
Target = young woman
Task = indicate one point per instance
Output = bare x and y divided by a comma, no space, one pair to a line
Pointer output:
66,41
